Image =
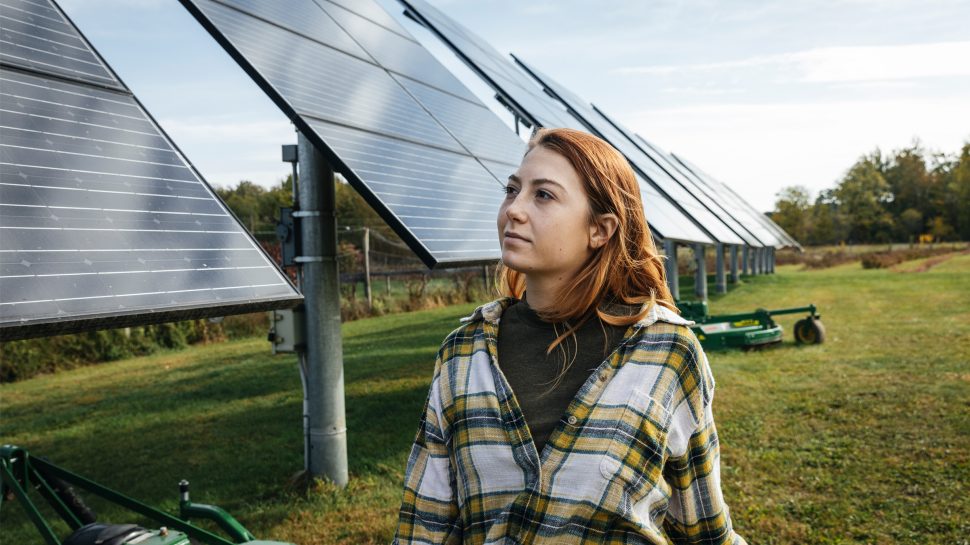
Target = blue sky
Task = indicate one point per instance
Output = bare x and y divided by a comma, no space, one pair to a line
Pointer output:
760,94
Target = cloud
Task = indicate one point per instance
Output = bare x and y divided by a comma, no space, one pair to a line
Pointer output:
842,64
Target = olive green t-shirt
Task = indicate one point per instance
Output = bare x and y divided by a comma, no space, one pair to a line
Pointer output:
522,342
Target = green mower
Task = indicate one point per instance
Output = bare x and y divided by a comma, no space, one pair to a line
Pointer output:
749,330
21,473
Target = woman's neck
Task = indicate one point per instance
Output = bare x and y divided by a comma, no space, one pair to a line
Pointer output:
541,293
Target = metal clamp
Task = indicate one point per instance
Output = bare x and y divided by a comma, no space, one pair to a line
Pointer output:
306,213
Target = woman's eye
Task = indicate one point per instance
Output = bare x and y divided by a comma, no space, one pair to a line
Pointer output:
543,194
509,190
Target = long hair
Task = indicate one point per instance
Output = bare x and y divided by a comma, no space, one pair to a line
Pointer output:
627,269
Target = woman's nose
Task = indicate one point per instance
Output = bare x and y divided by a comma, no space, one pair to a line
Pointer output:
515,211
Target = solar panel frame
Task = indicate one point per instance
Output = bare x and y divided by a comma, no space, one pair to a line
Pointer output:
523,97
336,140
68,307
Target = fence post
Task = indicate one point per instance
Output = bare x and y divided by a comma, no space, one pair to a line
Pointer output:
367,286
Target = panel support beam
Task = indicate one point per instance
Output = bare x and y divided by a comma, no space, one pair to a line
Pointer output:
721,281
734,264
326,434
745,253
700,275
670,266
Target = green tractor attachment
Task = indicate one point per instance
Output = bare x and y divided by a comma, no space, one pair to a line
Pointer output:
749,330
20,473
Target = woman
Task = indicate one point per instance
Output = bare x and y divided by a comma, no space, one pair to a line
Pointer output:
577,409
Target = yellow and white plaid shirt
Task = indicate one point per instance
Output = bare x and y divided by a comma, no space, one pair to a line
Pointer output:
634,459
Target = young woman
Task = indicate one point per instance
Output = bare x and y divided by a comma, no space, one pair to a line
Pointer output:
577,409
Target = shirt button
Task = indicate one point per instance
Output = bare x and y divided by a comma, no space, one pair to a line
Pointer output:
602,377
572,420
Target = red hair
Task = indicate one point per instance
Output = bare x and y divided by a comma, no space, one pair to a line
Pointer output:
627,269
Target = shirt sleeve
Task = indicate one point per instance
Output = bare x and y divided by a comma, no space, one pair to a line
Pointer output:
697,513
429,512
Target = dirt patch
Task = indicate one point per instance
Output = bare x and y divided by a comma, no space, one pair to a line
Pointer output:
929,263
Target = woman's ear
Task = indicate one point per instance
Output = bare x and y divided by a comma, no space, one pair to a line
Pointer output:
602,229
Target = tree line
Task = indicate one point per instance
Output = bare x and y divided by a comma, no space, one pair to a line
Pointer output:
908,195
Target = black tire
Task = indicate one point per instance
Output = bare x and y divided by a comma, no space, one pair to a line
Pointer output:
70,497
809,331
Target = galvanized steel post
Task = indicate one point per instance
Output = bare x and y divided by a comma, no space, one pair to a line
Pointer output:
670,266
745,252
734,264
700,275
720,281
327,437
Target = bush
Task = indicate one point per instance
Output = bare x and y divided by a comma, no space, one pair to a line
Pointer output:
21,360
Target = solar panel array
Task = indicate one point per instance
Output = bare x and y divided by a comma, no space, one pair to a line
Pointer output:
693,205
520,93
526,99
782,238
409,136
728,213
102,221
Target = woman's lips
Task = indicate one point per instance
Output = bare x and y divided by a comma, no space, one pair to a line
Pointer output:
516,236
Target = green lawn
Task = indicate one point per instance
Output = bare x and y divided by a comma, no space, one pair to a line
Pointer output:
865,439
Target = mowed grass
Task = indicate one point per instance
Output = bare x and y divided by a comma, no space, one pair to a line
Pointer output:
864,439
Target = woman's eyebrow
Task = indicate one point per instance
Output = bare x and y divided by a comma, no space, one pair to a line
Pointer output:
537,181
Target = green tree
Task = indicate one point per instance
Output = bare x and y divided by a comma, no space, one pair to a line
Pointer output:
955,178
793,211
863,195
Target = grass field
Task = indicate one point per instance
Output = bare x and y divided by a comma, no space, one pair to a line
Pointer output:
864,439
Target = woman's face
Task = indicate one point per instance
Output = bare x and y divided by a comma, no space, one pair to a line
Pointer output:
543,223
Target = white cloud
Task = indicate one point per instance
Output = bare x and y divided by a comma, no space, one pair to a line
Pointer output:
843,64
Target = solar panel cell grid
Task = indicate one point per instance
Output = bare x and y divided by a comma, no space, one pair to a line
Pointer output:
103,223
402,129
35,35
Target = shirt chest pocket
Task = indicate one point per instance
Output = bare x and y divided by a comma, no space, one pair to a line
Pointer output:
635,453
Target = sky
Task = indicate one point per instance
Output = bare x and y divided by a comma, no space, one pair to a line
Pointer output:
761,95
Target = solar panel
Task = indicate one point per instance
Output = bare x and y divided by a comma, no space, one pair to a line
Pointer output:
724,211
102,221
528,101
411,138
784,239
663,182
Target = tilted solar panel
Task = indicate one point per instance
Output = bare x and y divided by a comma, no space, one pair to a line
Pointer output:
410,137
661,180
102,221
784,238
521,93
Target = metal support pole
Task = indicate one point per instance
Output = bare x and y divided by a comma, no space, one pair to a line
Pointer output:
745,253
700,275
771,260
734,264
670,266
367,286
721,281
759,261
485,282
327,435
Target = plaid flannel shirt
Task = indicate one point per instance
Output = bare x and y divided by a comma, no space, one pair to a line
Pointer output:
634,459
